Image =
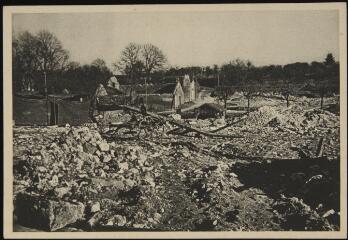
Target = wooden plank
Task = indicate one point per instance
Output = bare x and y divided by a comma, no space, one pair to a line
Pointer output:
182,125
320,147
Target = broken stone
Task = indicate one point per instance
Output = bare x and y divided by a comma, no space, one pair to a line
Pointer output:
130,183
42,169
233,175
108,183
104,147
98,153
106,158
328,213
89,148
150,181
119,220
94,219
157,217
138,225
123,166
60,192
95,207
37,212
55,181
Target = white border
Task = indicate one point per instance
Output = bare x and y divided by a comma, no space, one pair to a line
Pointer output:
7,97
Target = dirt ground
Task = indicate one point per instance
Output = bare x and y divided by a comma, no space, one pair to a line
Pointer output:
273,176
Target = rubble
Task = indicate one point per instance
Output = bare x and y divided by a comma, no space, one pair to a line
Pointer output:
33,210
141,177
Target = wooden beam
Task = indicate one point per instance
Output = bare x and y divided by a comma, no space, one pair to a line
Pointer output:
320,147
182,125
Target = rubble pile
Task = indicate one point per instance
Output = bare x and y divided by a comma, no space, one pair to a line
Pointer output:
260,117
222,202
295,215
80,166
294,118
206,182
96,178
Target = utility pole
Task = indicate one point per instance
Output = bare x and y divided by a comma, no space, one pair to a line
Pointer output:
146,91
46,97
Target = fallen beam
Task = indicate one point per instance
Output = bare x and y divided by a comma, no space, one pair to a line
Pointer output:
182,125
320,147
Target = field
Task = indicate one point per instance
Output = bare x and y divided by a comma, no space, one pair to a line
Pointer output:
276,168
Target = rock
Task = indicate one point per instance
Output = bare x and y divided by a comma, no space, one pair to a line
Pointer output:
103,146
94,219
96,159
79,164
123,166
106,158
233,175
89,148
150,181
98,153
41,169
157,217
120,220
102,173
108,183
328,213
79,148
134,171
83,156
95,207
38,212
55,181
130,183
176,117
138,225
60,192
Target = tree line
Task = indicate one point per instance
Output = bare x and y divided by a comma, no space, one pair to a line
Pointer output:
40,60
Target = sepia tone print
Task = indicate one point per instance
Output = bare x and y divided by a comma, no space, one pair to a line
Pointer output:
176,121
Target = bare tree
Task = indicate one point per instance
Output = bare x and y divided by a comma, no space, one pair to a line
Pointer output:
223,93
25,62
248,91
50,52
286,90
153,59
323,89
129,61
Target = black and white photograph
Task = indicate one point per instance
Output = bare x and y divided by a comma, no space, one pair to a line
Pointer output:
175,119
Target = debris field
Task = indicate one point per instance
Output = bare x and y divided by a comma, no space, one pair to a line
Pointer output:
273,169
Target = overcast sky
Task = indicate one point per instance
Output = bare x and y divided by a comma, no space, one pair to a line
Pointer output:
194,38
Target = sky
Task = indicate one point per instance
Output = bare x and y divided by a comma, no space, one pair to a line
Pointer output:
194,38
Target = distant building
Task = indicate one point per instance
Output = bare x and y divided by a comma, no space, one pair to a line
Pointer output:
186,86
174,92
113,83
194,90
